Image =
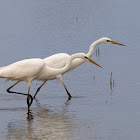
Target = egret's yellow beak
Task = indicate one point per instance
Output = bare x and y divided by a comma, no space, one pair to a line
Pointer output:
90,60
114,42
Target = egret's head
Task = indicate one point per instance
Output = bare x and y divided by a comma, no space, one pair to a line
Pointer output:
90,60
108,40
85,57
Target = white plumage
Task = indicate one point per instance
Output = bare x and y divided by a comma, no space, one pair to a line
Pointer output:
59,61
35,69
24,70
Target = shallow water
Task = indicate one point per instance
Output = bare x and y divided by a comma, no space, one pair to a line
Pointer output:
97,111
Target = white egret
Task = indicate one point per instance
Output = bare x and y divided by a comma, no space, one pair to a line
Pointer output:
59,61
35,69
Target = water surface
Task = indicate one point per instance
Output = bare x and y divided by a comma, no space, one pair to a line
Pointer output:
39,29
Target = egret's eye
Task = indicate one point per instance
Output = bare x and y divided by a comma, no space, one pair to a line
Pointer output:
108,40
86,57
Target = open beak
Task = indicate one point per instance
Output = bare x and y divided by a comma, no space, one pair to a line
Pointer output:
114,42
90,60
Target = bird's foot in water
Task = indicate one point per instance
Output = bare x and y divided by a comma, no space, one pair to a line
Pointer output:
69,98
29,100
69,95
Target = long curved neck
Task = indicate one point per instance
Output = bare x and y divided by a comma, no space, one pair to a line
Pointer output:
67,66
78,61
92,47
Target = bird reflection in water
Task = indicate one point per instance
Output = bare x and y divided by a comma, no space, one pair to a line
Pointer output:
43,123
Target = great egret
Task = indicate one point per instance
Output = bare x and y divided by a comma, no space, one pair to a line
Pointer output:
59,61
36,69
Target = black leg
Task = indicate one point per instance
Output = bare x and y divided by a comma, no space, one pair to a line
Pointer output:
39,88
30,97
65,88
